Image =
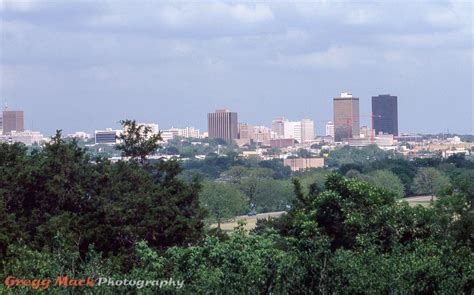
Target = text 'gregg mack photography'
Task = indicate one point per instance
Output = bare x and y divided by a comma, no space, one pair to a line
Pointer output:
236,147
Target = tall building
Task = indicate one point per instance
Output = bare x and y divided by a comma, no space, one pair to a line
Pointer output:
245,132
292,129
223,124
13,121
330,128
346,117
278,126
307,130
385,112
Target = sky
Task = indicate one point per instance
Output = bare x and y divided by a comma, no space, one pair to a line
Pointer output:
85,65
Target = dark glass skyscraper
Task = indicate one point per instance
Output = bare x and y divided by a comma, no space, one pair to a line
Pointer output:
385,111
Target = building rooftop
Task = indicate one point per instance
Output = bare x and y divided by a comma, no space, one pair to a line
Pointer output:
346,94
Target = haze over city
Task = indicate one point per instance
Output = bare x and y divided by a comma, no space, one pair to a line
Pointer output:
86,65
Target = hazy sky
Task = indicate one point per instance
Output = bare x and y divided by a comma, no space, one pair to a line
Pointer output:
84,65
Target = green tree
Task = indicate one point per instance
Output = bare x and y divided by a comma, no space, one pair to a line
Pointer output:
222,201
430,181
387,180
464,183
59,190
272,195
138,142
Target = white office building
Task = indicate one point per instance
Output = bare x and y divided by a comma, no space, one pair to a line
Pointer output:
330,128
26,137
154,128
188,132
307,130
278,126
292,129
80,135
167,135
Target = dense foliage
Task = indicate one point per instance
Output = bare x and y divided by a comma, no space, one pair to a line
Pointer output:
58,190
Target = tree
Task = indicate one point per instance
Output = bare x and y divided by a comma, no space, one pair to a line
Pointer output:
138,142
304,153
272,195
430,181
171,150
59,190
222,201
237,174
464,183
387,180
280,171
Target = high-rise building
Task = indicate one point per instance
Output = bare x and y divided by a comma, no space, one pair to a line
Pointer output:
307,130
385,112
292,129
13,121
223,124
245,132
278,126
330,128
346,117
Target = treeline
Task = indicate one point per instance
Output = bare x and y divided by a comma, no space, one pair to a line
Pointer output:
432,176
64,213
235,186
60,190
242,190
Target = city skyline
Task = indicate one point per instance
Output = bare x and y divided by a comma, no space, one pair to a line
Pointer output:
85,66
363,121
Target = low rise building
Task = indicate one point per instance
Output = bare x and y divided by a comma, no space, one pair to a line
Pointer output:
297,164
187,132
80,135
26,137
282,143
107,136
457,151
167,135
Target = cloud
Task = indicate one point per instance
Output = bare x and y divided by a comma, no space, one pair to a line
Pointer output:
17,5
160,17
333,58
180,50
195,14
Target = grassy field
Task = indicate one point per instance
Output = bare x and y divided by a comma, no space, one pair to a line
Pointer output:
420,200
251,221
